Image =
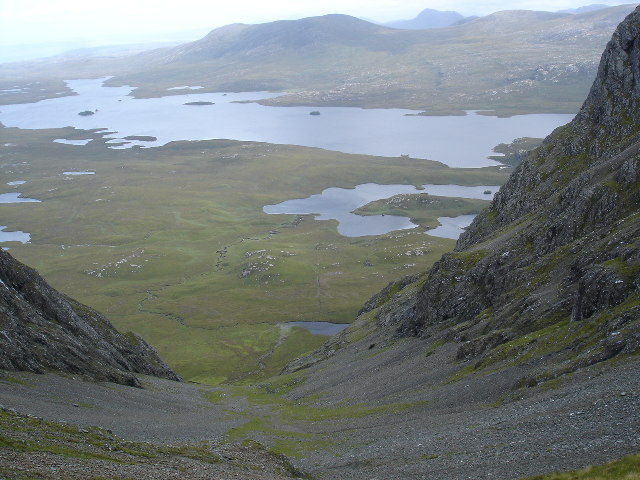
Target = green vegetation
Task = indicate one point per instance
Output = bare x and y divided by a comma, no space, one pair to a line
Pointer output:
39,444
30,434
422,208
287,426
627,468
171,243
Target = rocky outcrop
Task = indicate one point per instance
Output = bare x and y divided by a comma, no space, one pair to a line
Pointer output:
552,268
42,330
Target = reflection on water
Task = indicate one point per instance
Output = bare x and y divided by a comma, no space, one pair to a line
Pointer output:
338,203
459,141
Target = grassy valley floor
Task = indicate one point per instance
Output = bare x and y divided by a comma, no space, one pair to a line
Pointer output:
172,243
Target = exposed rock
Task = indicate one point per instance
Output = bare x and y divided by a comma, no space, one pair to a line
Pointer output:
42,330
559,243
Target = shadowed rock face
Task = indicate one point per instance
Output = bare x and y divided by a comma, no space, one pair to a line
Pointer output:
42,330
559,247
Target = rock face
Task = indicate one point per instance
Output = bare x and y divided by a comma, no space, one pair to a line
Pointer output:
42,330
551,271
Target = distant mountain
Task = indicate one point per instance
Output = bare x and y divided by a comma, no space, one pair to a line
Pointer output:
510,62
43,330
588,8
270,39
428,18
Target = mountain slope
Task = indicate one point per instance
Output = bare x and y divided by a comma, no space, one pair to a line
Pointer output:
549,275
536,312
428,18
42,330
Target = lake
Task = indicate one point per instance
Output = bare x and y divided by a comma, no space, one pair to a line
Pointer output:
18,236
458,141
338,203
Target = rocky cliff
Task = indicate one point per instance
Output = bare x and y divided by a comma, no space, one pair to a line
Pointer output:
551,271
42,330
549,276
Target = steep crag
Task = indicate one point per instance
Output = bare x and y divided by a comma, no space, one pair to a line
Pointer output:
551,270
42,330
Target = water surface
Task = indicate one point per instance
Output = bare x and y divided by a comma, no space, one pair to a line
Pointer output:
458,141
339,203
18,236
14,197
319,328
451,227
71,142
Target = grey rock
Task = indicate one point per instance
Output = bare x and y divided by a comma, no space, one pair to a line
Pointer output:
42,330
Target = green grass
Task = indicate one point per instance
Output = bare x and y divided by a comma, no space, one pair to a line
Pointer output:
158,239
627,468
422,208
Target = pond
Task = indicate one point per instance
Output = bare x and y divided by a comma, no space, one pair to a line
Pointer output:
338,203
451,227
319,328
14,197
458,141
18,236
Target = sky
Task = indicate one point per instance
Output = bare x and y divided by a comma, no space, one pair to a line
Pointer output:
96,22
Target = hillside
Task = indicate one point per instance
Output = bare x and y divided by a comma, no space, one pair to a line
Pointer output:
428,18
549,274
540,295
509,61
514,355
42,331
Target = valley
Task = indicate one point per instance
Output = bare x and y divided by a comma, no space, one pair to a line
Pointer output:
503,347
171,242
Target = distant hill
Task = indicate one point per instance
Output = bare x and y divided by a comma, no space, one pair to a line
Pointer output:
428,18
588,8
510,62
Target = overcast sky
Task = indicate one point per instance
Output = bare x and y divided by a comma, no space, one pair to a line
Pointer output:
122,21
